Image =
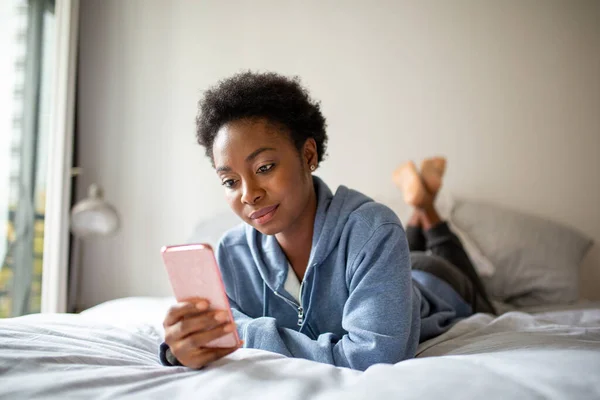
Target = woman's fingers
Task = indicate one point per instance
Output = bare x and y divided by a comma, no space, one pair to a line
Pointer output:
205,356
180,310
199,322
201,339
190,326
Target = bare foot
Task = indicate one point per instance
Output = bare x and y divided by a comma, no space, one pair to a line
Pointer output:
432,171
408,180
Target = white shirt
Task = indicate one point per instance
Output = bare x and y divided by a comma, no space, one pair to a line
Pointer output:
292,284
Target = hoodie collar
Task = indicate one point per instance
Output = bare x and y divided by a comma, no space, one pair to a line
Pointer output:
330,218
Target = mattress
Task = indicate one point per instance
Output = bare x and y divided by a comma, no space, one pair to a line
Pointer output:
110,352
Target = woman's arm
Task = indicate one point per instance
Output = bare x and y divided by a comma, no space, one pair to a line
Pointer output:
381,316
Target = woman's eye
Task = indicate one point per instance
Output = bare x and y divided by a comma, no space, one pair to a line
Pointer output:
228,183
265,168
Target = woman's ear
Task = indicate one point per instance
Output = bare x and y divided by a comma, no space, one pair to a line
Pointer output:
310,155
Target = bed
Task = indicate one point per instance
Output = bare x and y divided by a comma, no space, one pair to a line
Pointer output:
530,351
110,351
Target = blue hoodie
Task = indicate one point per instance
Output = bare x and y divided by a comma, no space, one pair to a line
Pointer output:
361,303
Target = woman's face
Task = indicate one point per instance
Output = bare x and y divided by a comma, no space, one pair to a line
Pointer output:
267,181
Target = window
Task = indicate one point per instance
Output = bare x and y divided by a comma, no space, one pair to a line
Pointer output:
26,71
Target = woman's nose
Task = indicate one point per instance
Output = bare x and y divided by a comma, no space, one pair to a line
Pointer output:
252,193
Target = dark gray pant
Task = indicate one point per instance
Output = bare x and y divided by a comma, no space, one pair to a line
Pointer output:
439,252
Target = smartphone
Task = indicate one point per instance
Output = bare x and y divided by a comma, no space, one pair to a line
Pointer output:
193,272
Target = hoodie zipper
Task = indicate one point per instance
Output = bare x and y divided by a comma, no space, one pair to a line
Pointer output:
298,307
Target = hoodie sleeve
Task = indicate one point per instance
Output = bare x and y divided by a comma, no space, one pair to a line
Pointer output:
381,317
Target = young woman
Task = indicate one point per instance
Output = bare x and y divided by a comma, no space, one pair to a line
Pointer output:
312,274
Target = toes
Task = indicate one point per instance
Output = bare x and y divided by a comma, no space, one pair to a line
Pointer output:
432,171
408,180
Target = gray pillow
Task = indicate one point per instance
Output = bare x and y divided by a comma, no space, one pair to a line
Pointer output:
536,260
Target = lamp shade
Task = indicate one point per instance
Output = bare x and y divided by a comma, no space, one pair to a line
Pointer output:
93,216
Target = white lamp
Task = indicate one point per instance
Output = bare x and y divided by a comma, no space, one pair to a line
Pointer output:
93,216
90,217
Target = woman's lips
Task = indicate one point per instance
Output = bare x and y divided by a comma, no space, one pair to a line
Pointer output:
264,215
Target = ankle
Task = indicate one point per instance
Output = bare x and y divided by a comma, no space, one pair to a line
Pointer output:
429,217
426,203
415,219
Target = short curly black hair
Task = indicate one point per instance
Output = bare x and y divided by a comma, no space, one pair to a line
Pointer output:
268,95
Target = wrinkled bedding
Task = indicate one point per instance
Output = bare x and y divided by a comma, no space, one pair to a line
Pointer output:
107,354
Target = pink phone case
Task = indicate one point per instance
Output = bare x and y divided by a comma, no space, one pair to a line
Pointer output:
193,272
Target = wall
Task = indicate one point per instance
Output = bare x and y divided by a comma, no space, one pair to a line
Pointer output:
509,91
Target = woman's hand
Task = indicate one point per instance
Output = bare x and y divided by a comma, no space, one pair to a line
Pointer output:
189,326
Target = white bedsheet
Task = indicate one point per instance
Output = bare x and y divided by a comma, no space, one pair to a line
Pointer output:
552,355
